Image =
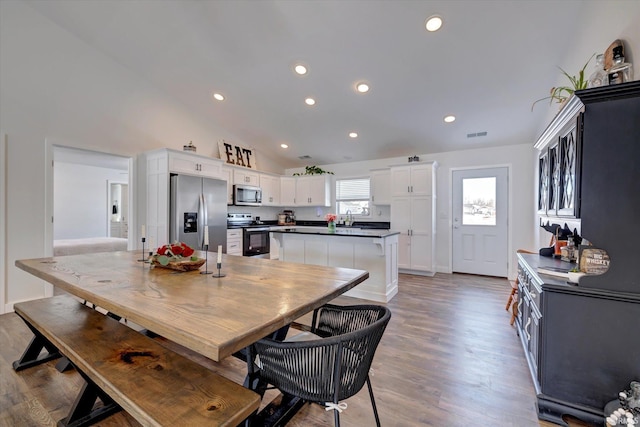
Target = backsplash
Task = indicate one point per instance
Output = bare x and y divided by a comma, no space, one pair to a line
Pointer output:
267,213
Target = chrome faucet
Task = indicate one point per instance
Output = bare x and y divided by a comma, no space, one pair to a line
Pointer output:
349,217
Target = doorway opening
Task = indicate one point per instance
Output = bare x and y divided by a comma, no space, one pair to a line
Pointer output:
87,187
480,221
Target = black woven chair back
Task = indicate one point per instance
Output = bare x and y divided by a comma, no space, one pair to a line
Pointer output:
331,368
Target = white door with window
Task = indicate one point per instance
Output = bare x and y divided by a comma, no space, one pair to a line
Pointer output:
480,223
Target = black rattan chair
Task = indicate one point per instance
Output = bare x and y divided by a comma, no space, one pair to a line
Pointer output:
333,367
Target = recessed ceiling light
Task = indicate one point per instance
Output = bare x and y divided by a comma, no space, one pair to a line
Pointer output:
284,146
300,69
353,134
449,119
218,96
433,23
362,87
310,101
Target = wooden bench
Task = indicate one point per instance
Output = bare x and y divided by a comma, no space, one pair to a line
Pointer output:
128,370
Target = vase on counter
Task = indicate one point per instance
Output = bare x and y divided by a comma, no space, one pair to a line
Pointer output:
332,226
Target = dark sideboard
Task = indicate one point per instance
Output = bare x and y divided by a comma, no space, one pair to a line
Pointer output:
583,342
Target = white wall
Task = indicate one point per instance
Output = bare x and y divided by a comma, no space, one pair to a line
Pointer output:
55,87
521,192
81,208
602,23
3,218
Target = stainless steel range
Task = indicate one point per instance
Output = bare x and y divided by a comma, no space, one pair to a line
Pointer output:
255,234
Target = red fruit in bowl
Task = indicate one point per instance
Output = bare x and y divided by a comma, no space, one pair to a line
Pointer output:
187,251
177,249
162,250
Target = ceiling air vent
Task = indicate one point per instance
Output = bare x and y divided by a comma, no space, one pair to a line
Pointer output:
305,157
473,135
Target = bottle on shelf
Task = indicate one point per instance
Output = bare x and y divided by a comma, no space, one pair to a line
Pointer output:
599,76
621,71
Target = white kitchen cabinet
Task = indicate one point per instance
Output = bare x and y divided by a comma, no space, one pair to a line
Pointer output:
313,190
270,185
274,247
227,174
246,177
416,180
119,229
234,241
287,191
377,255
193,164
380,181
412,214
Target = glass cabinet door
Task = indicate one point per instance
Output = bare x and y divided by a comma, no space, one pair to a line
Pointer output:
559,174
543,182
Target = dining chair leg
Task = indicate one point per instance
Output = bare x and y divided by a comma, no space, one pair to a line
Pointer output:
510,300
336,418
373,402
514,310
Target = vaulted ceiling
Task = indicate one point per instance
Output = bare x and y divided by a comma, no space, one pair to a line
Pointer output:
486,66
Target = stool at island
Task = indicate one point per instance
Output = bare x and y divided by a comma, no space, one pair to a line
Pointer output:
512,301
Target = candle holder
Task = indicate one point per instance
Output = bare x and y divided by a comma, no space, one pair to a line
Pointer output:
206,260
143,259
219,274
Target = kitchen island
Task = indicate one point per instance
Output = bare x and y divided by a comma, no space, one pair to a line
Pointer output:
375,251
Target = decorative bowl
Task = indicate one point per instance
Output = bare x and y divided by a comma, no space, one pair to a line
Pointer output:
179,265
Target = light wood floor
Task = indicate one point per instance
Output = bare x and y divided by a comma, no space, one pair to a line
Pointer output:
448,358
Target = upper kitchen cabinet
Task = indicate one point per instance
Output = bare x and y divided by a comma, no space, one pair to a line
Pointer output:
246,177
313,190
415,180
227,174
193,164
380,180
559,162
270,185
287,191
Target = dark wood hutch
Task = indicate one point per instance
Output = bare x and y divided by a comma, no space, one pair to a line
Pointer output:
582,342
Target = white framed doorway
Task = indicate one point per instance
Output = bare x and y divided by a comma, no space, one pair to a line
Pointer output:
480,225
54,149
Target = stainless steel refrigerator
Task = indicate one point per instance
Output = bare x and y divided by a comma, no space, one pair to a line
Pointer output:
194,203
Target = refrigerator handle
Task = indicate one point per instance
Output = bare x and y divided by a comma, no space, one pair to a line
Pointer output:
202,211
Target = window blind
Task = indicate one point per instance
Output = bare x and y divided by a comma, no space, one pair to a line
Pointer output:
352,189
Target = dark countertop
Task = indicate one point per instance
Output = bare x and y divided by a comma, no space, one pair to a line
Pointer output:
340,231
534,261
377,225
559,284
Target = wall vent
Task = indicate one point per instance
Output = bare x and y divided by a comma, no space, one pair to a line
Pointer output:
473,135
305,157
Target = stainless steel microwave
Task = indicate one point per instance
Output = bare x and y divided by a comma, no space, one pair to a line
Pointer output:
247,195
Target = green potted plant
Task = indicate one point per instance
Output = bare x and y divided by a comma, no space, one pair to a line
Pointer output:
560,94
312,170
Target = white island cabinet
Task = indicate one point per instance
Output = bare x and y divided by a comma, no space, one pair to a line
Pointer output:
375,251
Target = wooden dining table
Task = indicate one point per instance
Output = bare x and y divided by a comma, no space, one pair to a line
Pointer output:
213,316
